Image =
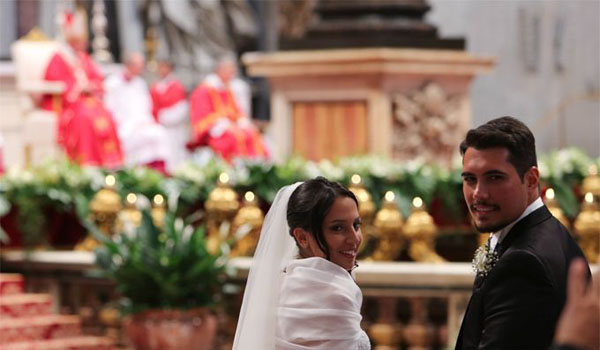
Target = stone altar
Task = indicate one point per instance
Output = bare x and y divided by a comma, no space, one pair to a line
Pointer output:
395,102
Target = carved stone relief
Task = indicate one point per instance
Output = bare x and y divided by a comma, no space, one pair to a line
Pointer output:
295,16
428,124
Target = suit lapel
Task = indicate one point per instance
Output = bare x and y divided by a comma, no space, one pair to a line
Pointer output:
537,216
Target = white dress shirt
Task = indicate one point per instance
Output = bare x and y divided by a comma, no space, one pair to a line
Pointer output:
498,236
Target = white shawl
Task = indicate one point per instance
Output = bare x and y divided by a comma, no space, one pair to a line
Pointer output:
319,307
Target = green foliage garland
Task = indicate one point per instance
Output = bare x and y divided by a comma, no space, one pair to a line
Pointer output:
64,186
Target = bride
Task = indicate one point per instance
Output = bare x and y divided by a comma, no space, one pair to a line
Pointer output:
300,292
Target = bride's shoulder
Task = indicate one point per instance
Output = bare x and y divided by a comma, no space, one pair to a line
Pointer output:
316,264
312,274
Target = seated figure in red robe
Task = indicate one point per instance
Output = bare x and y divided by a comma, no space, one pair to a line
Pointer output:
170,108
218,122
86,130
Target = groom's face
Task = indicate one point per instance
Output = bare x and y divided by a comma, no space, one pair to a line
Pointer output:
493,190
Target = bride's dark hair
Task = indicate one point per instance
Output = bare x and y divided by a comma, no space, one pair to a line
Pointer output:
310,203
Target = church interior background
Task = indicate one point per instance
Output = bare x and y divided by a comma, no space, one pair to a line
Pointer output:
374,94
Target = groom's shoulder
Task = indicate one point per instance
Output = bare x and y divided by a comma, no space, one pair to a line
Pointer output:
545,248
547,238
521,260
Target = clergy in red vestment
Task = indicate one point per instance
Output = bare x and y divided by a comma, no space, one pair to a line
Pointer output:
170,108
86,130
218,122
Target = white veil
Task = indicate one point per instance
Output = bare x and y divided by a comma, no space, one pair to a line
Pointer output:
257,321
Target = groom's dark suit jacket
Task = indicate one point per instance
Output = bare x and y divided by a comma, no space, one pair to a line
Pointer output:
517,305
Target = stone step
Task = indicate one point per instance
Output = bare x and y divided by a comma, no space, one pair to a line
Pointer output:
25,305
39,328
11,283
76,343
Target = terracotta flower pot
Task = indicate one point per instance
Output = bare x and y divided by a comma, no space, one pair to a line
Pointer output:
172,329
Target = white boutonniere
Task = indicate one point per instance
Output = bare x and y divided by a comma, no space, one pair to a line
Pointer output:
484,260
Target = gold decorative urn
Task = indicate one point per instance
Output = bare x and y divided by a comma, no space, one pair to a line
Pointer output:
365,202
246,226
130,216
158,210
221,206
587,226
420,231
591,183
554,208
366,210
388,223
104,207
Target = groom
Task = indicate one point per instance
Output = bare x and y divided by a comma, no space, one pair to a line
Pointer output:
520,289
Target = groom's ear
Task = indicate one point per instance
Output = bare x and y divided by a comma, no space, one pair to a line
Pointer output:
532,180
301,237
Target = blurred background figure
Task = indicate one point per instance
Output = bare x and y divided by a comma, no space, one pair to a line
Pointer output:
1,158
579,323
144,141
86,130
194,34
218,121
170,108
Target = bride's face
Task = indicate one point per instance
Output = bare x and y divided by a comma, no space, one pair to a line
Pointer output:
341,230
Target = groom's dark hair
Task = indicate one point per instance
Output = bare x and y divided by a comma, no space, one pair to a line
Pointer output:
310,203
505,132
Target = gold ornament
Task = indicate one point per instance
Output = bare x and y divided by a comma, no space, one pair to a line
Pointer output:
552,205
131,214
221,206
366,207
420,231
247,223
388,223
158,210
587,226
591,183
104,207
366,210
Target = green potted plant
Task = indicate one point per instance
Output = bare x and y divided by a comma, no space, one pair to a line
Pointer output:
169,282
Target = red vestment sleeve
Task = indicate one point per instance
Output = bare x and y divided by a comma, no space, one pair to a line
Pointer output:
155,96
58,70
93,73
165,98
202,113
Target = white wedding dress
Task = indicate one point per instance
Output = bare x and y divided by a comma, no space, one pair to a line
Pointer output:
296,304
